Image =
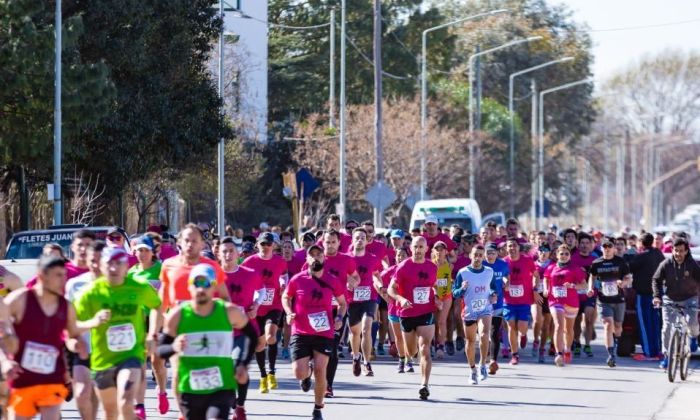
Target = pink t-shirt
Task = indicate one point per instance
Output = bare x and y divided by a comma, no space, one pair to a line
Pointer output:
415,282
72,270
584,262
451,245
520,284
312,303
294,265
345,242
556,277
167,251
367,265
386,276
270,270
375,247
242,284
459,264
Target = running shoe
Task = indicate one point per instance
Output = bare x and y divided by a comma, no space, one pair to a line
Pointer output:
460,344
424,393
356,367
368,370
329,392
450,348
693,344
493,367
664,363
514,360
285,353
409,366
540,359
239,413
271,381
587,349
402,366
440,353
473,377
535,347
505,352
316,415
567,357
393,351
163,403
483,374
140,412
611,361
577,349
523,341
341,355
552,350
264,389
380,350
305,384
559,360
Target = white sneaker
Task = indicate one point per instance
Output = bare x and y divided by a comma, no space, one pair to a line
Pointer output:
483,373
473,379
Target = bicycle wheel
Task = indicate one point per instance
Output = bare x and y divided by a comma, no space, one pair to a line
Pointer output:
673,353
684,357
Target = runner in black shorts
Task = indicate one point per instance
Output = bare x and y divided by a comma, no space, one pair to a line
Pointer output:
543,328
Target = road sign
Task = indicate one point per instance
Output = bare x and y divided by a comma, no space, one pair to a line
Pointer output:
305,179
380,195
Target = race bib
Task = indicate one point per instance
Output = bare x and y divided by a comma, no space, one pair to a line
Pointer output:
421,295
319,321
121,338
478,305
269,297
361,294
442,283
206,379
516,290
559,292
39,358
610,288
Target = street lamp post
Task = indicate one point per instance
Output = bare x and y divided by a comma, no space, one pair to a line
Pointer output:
341,171
541,135
472,171
511,112
57,199
220,202
424,90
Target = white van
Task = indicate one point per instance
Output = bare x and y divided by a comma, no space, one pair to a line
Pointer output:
462,211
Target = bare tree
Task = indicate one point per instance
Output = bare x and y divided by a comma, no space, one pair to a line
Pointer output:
85,202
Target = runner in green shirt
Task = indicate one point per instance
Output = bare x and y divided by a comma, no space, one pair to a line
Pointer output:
114,307
200,332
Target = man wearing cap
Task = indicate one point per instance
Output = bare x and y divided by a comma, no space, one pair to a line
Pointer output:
432,234
308,303
37,371
114,307
200,332
115,239
272,268
396,236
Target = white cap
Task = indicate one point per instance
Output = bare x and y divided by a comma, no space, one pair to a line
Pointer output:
431,219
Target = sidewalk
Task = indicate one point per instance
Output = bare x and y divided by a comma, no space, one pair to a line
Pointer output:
682,402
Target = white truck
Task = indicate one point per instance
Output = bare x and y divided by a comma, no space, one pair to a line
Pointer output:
462,211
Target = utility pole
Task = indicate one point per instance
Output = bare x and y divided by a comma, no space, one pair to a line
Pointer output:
57,196
220,201
477,116
533,135
331,93
341,172
379,169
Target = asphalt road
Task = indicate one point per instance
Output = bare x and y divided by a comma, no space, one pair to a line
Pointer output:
587,389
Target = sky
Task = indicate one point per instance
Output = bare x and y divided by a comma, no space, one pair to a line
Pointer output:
616,50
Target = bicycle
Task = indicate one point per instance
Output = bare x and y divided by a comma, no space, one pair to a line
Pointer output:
679,347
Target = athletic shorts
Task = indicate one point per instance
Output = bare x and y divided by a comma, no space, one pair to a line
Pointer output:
411,323
517,313
544,304
273,317
27,401
302,345
107,378
589,302
357,310
381,304
616,311
240,349
195,406
569,311
394,318
75,360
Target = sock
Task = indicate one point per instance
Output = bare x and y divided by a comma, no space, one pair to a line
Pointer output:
260,358
317,407
272,356
242,394
137,406
615,338
516,354
356,356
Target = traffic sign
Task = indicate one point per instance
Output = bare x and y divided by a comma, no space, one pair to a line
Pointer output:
380,195
305,179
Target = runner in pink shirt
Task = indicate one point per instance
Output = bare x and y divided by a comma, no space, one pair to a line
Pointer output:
308,303
413,288
78,248
333,223
561,283
432,234
585,321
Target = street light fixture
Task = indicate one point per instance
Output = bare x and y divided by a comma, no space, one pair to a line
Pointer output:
472,171
541,135
424,90
511,112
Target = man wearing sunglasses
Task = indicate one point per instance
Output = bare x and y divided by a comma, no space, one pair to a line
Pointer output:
273,269
200,332
432,234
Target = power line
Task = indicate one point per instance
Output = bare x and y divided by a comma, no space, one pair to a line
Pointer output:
633,28
371,63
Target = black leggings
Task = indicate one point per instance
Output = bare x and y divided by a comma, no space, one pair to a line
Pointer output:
333,361
495,336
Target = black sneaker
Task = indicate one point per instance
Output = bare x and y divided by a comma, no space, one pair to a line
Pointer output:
368,370
305,384
460,344
424,393
329,392
450,348
317,415
611,361
356,367
401,367
409,367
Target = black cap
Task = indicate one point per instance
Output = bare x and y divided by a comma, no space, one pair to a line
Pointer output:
313,248
606,242
544,248
50,261
491,247
247,247
469,238
266,237
309,237
457,239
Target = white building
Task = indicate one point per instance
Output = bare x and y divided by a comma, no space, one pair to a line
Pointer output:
251,53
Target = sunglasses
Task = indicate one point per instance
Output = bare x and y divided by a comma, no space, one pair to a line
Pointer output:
202,283
607,246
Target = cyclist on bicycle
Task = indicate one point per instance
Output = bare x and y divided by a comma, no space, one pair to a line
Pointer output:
676,282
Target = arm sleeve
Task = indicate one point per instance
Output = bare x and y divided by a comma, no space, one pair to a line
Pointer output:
657,281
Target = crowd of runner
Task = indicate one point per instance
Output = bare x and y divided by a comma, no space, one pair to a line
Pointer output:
204,307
